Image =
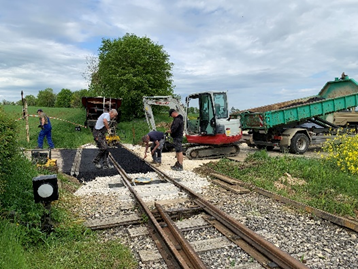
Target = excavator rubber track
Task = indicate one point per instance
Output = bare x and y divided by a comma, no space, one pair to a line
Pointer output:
211,152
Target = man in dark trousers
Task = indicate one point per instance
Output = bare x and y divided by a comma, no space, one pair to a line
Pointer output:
46,129
99,135
176,131
157,146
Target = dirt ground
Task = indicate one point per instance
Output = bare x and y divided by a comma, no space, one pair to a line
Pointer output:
168,158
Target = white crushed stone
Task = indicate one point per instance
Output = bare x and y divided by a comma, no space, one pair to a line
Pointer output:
320,243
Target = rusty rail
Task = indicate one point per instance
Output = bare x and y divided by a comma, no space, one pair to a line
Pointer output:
186,250
169,252
276,255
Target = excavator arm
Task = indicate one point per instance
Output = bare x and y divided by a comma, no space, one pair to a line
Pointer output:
168,101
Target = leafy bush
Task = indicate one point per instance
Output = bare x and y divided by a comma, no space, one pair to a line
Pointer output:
8,148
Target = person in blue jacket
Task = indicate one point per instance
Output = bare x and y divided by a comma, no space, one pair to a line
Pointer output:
46,128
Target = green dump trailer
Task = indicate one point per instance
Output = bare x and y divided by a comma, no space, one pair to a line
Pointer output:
296,124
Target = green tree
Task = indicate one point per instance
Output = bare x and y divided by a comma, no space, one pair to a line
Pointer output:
63,98
76,100
5,102
46,98
193,110
31,100
130,68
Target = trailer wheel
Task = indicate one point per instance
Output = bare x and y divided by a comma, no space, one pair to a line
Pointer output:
299,143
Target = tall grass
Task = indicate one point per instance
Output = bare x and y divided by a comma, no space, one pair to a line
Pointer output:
11,250
89,253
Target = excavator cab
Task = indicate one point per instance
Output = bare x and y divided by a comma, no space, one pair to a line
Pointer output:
205,123
212,106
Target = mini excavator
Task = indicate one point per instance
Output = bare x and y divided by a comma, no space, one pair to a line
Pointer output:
210,132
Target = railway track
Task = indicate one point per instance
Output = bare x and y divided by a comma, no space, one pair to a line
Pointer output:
175,249
189,232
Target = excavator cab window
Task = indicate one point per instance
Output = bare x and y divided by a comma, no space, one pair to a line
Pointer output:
207,121
220,102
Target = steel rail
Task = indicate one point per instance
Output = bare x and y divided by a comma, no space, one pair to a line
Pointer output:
190,254
278,256
167,249
259,257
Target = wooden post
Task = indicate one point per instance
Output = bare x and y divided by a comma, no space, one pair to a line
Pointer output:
27,123
133,133
25,115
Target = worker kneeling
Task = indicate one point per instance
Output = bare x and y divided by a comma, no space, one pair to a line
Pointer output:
156,147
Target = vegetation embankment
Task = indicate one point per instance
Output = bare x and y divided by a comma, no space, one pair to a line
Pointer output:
319,183
23,242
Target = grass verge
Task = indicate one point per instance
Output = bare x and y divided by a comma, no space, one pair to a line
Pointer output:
64,133
24,245
315,182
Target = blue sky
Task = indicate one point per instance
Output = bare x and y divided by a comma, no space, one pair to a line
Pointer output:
261,52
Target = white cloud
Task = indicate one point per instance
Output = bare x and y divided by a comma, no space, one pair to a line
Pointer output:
262,52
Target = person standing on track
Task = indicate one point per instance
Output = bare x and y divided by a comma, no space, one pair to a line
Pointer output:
176,132
99,135
46,129
157,146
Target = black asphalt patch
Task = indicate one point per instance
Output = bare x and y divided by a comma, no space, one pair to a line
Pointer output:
68,157
88,170
130,162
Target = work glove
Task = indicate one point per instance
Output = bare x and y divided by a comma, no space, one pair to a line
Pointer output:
41,126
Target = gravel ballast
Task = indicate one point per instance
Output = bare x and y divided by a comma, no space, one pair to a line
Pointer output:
316,242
